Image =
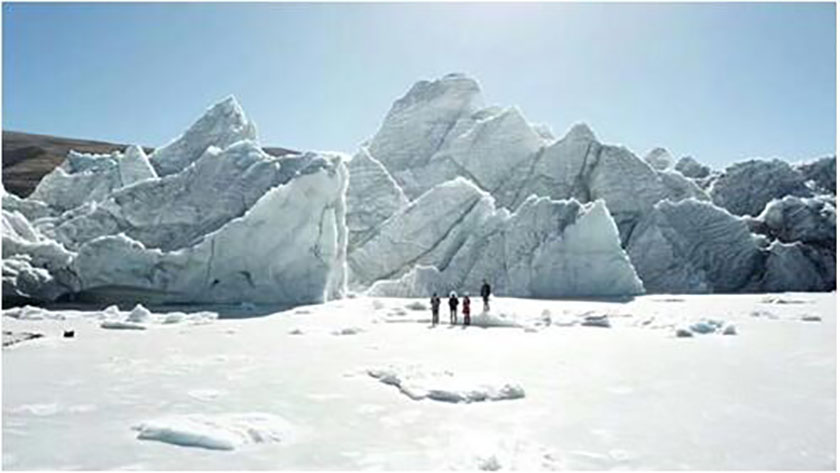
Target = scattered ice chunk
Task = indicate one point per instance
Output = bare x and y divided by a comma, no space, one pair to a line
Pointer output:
139,314
377,304
295,331
494,319
418,383
416,305
811,318
704,326
764,314
348,331
111,311
596,321
122,325
684,333
29,312
44,409
215,432
730,330
783,300
204,394
11,338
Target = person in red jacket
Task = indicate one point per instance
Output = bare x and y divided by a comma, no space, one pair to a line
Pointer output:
466,309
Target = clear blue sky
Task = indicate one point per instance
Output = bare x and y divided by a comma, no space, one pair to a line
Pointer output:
722,82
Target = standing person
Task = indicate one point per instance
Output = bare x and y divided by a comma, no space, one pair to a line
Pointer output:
466,309
485,295
435,308
453,308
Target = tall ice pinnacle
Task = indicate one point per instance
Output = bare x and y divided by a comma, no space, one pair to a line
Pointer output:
419,121
221,125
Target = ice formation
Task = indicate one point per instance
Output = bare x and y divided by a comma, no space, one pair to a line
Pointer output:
689,167
418,382
217,431
226,222
91,177
221,125
679,187
745,188
446,193
440,131
659,159
694,247
545,249
372,197
822,173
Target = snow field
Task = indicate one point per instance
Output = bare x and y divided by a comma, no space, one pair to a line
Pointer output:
630,396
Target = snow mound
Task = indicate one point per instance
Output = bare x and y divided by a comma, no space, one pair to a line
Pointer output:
495,319
216,432
419,383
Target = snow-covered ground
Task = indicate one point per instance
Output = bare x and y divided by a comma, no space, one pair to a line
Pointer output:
367,384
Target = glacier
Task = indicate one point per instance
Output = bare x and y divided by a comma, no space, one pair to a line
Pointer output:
447,192
209,218
684,226
90,177
545,249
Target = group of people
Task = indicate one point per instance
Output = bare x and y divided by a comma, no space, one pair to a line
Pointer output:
465,307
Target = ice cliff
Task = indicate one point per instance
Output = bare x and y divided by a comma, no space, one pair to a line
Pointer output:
544,249
209,218
686,227
446,193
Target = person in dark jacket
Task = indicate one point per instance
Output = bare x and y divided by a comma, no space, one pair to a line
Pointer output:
435,309
466,309
485,295
453,308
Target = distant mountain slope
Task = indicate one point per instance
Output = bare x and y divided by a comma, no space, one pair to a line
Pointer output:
27,157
